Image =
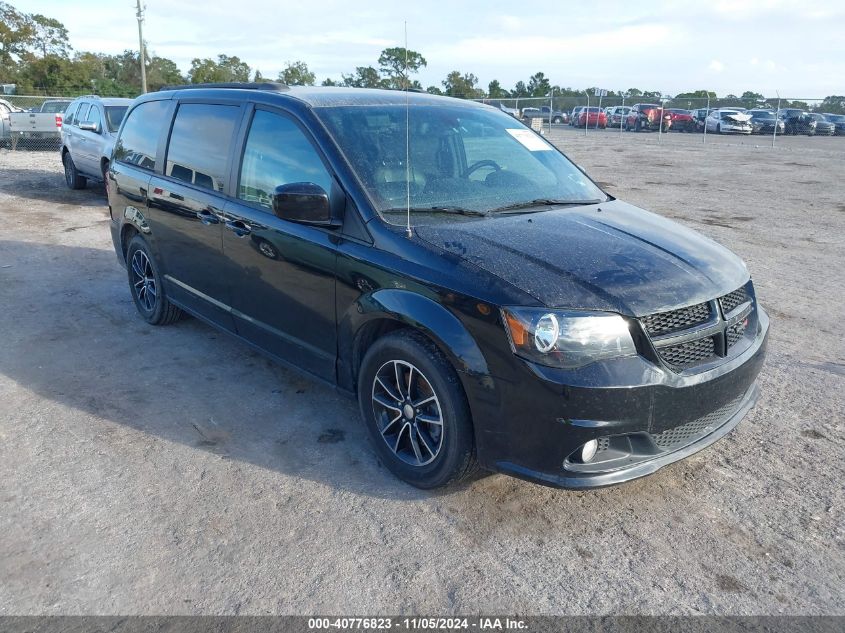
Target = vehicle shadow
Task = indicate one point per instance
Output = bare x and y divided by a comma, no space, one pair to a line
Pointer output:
49,186
72,335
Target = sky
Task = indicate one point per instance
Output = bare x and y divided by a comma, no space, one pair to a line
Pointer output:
796,49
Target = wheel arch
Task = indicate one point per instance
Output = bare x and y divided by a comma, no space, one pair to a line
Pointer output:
386,310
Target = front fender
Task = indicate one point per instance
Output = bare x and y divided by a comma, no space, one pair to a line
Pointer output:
419,312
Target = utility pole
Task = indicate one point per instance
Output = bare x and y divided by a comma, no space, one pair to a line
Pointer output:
140,15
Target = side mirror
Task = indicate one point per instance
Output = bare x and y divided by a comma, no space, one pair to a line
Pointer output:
304,202
88,126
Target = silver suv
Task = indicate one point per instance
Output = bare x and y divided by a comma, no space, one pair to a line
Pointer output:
88,132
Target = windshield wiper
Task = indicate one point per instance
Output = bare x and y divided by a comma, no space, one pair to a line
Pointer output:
544,202
437,209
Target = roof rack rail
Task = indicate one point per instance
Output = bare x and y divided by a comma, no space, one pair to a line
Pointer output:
246,85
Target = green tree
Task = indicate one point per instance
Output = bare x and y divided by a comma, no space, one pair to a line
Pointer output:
364,77
520,90
224,69
461,85
16,32
696,94
835,104
495,90
49,37
162,72
393,63
434,90
328,81
751,99
538,85
297,74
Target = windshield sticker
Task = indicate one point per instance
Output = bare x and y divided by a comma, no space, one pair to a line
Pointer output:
529,140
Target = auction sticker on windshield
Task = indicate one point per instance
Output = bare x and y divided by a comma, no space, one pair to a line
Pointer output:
529,140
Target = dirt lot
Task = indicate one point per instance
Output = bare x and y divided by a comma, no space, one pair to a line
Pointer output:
172,470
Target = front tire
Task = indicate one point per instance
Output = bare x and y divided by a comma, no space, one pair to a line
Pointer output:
145,284
72,178
415,411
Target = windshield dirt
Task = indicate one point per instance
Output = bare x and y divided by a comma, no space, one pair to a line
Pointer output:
464,158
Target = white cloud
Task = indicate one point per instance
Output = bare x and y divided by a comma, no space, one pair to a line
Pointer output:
716,66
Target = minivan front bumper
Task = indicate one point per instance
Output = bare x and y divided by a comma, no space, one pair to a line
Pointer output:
643,418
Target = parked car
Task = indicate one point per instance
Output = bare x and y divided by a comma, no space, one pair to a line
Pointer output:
590,346
682,120
592,117
55,106
797,121
838,121
648,116
573,116
87,137
699,116
765,122
545,113
823,126
728,121
43,123
617,115
6,109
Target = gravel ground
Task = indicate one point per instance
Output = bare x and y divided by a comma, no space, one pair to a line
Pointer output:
174,471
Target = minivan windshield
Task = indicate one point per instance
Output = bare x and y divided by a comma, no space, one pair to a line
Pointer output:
467,159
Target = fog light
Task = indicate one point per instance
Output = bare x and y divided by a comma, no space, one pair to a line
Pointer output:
588,451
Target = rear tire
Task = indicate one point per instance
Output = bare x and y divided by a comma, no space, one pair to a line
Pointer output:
72,178
145,284
415,448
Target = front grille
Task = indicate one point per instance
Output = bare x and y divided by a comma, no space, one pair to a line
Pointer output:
733,299
679,436
675,320
695,348
684,355
736,332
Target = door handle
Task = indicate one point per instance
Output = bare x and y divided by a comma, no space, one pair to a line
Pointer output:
241,228
207,217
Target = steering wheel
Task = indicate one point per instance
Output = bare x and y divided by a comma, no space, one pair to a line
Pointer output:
478,165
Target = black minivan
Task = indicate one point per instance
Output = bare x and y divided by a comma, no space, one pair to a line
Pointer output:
485,301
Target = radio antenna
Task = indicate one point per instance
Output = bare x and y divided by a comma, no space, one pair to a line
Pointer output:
407,142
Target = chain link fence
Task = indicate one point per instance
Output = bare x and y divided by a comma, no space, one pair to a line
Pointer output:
33,123
764,119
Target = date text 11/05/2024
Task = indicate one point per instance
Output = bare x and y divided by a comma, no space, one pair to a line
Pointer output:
424,623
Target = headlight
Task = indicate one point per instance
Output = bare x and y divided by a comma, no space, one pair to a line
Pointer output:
567,339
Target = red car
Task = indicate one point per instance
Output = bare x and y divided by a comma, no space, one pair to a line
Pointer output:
592,117
647,116
682,120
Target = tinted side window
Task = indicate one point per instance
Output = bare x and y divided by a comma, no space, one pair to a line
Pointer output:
200,142
139,138
277,153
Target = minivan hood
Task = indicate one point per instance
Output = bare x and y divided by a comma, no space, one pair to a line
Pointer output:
610,256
